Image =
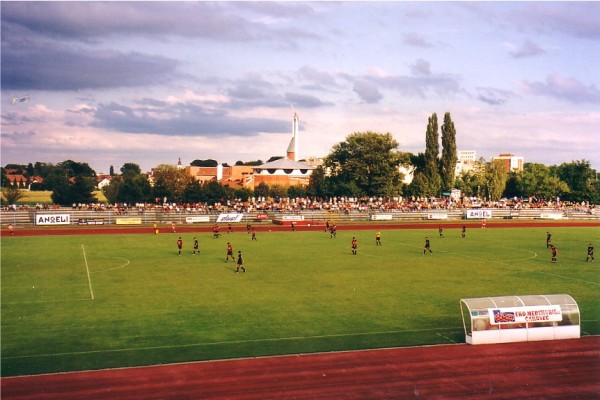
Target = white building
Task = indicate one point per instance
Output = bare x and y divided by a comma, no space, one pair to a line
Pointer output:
466,161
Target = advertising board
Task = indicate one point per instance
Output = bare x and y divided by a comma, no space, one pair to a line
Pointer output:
53,219
479,214
230,217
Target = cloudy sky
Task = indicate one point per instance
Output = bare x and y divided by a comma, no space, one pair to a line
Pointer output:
151,82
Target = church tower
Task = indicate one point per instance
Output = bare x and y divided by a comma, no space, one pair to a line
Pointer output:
292,150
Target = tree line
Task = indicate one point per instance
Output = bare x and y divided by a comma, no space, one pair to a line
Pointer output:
364,164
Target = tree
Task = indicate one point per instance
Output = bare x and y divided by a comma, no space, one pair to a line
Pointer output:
12,194
537,181
215,192
130,187
432,149
365,164
296,191
496,176
581,179
73,182
449,158
74,191
193,192
262,190
130,170
112,190
204,163
30,170
170,182
250,163
317,184
243,194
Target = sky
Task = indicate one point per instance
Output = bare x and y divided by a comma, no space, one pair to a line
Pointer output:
149,83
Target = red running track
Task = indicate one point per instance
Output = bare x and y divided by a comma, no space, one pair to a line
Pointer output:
561,369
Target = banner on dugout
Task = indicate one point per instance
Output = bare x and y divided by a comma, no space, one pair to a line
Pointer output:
526,314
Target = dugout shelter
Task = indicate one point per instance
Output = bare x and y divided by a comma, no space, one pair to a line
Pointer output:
520,318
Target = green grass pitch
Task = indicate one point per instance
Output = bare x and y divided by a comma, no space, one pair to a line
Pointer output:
303,292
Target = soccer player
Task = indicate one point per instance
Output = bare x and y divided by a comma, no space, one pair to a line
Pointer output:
590,253
11,230
427,246
254,234
548,239
354,246
173,226
441,231
463,232
179,245
378,238
196,246
216,233
554,253
483,223
240,262
229,253
229,228
248,228
333,231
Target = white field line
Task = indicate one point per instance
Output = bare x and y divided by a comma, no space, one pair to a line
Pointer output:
87,268
127,262
507,263
177,346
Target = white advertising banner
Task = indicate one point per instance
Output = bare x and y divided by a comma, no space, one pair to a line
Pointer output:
480,214
199,218
437,216
230,217
292,217
516,315
53,219
381,217
555,215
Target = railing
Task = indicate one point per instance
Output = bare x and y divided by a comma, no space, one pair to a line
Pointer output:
28,217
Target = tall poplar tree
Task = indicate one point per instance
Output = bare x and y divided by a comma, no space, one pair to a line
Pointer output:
449,158
432,149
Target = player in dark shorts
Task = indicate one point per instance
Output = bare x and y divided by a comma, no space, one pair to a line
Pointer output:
229,253
254,234
441,231
240,262
196,247
463,232
554,253
590,253
427,246
354,246
229,228
179,245
378,238
216,233
548,240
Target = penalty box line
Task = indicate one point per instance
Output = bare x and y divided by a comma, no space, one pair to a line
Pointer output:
87,269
